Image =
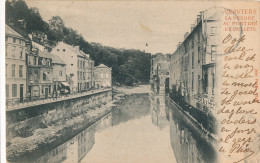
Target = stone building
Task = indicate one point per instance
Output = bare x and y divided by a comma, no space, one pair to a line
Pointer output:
79,66
39,74
59,73
159,74
102,76
15,75
193,64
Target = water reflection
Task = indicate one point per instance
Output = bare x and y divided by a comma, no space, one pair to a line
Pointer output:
131,107
140,128
75,149
159,113
189,144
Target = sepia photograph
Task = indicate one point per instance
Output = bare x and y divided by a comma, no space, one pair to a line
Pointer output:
130,81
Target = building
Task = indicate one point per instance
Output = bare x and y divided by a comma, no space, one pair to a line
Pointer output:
102,76
193,64
15,49
59,74
39,74
159,74
79,66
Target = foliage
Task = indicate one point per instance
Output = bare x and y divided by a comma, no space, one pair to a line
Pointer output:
128,66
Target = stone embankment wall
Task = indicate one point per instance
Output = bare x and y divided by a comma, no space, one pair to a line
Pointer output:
22,122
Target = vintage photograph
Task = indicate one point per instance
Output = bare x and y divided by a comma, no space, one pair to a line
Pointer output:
132,81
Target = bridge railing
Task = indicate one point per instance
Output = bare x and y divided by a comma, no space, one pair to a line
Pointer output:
35,100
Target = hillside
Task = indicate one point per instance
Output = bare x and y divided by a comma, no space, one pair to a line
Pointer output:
128,66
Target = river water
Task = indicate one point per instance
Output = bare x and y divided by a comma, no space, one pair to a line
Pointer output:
140,128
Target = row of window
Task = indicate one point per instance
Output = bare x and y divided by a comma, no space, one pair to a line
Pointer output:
62,50
82,75
39,61
13,51
14,89
13,70
104,75
14,40
82,65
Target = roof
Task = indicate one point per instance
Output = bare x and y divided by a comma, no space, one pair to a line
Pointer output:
103,66
10,31
75,50
44,54
57,59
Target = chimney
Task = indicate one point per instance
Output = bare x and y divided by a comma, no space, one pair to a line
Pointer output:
30,36
186,35
77,47
198,19
192,27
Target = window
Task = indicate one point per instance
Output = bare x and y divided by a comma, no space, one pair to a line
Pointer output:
78,75
198,54
192,43
63,50
213,83
205,82
198,84
21,53
6,66
7,90
192,82
13,70
20,41
213,52
6,46
60,72
20,70
36,74
14,40
58,50
71,64
44,76
192,59
13,51
213,30
14,90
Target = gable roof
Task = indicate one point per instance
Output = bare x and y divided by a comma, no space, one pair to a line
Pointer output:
44,54
74,49
10,31
103,66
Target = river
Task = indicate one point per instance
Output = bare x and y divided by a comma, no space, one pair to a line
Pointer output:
140,128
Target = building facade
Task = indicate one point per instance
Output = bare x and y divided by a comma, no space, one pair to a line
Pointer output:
102,76
77,66
59,73
15,49
159,74
193,64
39,74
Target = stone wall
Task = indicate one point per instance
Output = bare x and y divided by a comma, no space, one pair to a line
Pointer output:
22,122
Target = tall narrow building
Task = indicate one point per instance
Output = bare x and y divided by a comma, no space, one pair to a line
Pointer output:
15,48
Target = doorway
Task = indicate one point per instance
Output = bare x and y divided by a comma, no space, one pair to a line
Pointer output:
21,92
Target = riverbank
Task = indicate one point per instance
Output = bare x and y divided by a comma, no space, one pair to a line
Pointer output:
26,149
29,148
132,90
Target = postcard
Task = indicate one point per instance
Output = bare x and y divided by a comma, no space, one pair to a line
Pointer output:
131,81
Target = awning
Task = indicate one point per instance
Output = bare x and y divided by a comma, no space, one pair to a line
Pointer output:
65,84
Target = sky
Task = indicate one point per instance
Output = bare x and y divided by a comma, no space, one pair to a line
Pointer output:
126,24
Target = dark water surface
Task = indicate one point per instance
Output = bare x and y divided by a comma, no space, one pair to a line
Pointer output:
140,128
